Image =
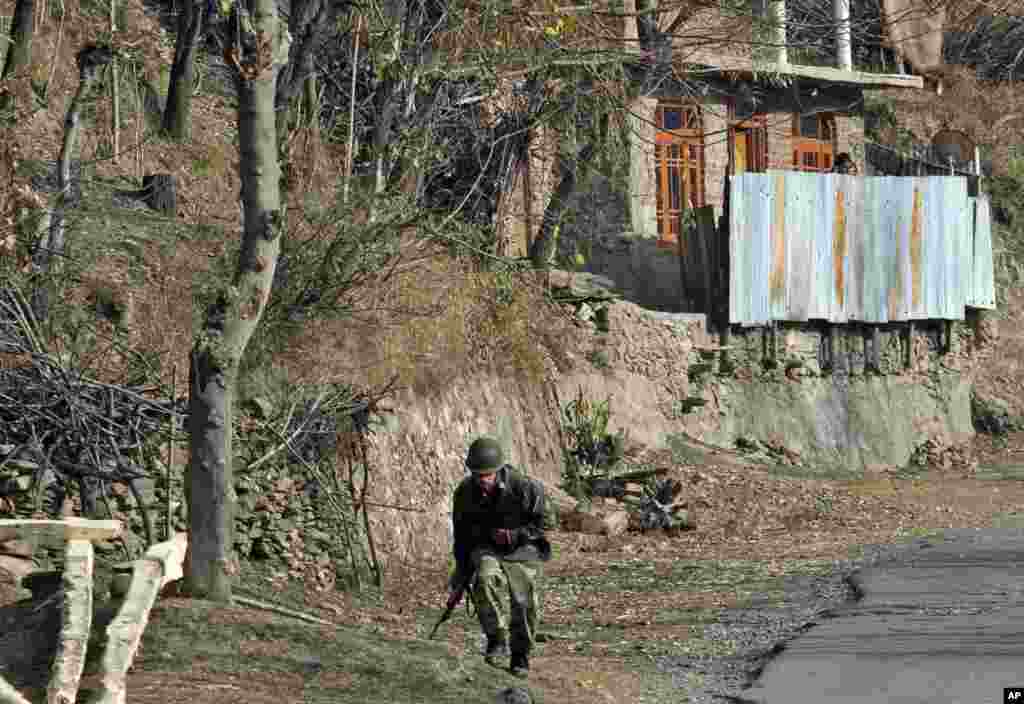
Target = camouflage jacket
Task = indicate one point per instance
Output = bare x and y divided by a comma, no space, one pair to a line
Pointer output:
517,504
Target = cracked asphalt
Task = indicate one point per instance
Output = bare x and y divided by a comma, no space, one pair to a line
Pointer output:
936,621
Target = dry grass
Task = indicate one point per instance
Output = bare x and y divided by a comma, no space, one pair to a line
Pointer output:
434,320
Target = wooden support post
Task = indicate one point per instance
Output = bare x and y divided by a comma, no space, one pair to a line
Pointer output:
838,358
725,342
908,349
769,345
69,662
828,353
947,336
876,349
161,564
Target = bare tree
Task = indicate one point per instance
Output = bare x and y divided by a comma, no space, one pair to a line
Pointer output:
177,120
232,318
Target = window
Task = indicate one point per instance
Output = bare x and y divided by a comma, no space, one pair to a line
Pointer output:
679,162
813,142
749,139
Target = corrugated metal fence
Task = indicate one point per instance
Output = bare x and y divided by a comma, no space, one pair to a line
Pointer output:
807,246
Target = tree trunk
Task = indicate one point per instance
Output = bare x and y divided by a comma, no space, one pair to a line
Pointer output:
178,110
310,103
542,251
232,319
91,60
19,52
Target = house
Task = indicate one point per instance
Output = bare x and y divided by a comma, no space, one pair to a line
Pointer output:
733,105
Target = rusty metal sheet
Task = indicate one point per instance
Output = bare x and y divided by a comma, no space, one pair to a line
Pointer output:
798,246
983,290
873,272
916,245
822,303
776,221
956,248
901,293
839,248
739,232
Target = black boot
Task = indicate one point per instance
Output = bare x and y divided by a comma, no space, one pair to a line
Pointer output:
520,666
497,647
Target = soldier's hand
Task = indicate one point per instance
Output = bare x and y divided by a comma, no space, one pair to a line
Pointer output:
504,536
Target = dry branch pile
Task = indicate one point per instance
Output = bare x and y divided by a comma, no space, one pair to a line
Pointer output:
60,428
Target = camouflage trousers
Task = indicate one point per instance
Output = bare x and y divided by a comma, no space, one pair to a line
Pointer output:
520,581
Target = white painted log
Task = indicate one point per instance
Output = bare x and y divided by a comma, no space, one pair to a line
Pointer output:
50,531
77,622
156,568
9,695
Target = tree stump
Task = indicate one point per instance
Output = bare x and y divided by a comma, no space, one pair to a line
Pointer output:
160,192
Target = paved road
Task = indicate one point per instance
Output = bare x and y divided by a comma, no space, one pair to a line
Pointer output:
941,625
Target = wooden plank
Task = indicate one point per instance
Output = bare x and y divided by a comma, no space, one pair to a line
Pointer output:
58,531
706,233
124,634
69,662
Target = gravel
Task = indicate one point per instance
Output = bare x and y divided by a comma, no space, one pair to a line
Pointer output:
759,633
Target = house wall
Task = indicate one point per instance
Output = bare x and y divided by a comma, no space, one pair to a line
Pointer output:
613,226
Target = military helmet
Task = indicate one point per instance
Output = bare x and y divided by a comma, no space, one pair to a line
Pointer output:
484,455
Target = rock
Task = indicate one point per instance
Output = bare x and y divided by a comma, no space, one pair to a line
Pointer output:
17,548
615,523
589,522
991,415
577,521
513,695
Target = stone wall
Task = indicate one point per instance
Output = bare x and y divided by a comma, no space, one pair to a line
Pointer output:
653,366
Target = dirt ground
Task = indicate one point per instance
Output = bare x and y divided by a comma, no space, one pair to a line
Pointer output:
613,606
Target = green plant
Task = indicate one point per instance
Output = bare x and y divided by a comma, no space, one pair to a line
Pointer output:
599,358
592,451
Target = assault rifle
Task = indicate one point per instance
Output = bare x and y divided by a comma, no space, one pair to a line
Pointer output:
453,601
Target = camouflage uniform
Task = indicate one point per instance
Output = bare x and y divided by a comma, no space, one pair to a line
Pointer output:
517,504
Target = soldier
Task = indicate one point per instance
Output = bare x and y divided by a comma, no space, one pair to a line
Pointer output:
498,517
